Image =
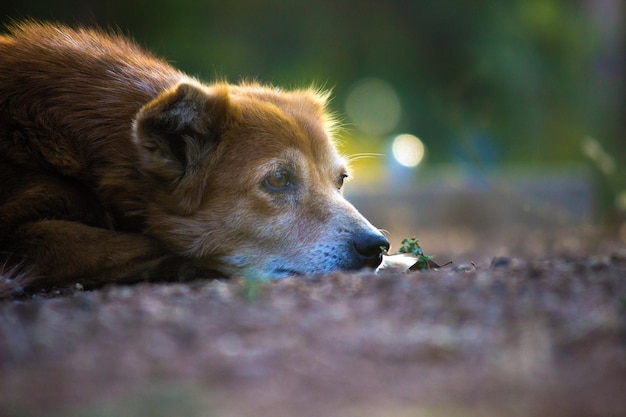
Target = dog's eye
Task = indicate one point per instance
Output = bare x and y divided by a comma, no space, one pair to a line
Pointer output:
340,180
278,180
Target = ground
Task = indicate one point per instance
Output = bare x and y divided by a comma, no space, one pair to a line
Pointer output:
527,334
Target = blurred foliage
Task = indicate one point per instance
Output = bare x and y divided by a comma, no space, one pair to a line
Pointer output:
498,82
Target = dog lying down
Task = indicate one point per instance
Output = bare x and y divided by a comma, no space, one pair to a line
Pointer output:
116,167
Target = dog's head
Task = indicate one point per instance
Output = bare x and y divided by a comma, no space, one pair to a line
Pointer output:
249,179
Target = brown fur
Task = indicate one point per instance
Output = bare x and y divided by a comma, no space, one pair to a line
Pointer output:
114,166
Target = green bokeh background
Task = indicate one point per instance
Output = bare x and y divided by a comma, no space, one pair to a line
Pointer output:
485,83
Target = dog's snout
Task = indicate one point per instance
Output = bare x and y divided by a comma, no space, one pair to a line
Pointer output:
370,246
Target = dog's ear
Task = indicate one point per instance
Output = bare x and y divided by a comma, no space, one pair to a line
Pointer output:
178,129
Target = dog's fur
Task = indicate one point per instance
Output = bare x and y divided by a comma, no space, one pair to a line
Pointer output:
116,167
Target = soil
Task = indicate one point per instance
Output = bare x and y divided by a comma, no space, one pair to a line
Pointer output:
522,335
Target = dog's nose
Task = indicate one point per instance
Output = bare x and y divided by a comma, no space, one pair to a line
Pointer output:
371,246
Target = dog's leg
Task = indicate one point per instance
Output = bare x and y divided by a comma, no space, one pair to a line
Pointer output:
60,253
38,253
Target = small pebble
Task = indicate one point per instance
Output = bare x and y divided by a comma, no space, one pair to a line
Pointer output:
500,262
618,256
468,267
598,262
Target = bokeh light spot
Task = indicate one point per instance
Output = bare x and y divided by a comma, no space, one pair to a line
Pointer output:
408,150
374,106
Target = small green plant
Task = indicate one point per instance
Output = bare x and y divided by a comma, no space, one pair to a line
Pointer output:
254,283
411,246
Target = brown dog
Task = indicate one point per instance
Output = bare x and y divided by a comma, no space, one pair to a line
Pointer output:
116,167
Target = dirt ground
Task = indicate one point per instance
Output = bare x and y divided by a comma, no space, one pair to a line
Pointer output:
539,332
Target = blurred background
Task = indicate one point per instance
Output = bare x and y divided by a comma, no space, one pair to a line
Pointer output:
470,124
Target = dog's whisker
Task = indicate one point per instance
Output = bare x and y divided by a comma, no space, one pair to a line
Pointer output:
366,155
